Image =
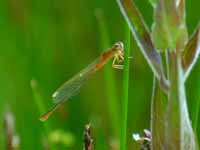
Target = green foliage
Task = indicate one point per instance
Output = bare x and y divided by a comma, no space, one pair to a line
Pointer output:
169,100
52,40
125,93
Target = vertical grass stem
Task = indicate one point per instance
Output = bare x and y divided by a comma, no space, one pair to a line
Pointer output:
124,103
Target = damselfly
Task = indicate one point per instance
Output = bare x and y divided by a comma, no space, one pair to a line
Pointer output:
70,87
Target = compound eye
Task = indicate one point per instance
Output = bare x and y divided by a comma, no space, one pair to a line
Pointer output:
119,46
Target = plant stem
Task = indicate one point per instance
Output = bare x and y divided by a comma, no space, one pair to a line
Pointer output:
179,131
124,102
173,109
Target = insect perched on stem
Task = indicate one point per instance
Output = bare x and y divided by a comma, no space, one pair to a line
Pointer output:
69,88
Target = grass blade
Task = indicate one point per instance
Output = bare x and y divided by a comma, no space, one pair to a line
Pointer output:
189,59
124,102
191,52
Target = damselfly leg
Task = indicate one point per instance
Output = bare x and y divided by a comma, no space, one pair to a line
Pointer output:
118,58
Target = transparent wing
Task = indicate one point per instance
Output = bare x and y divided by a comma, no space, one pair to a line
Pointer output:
70,87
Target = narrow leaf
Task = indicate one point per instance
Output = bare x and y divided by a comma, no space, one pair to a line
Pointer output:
125,91
168,30
191,52
142,36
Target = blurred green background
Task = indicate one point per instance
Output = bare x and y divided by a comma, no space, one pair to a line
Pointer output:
50,41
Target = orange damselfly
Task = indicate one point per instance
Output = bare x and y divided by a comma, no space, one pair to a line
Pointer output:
71,86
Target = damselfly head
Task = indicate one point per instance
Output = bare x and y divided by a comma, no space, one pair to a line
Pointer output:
119,46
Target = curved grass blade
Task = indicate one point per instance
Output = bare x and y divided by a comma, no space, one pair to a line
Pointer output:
70,87
143,38
189,60
191,52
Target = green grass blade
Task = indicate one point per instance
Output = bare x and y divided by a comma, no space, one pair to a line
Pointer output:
124,102
191,52
189,59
